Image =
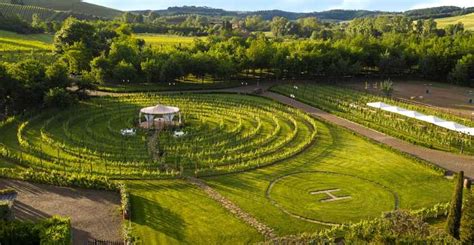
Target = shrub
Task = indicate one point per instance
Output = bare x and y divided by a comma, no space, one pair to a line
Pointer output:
17,232
125,201
7,191
454,216
59,98
467,220
387,87
55,230
5,212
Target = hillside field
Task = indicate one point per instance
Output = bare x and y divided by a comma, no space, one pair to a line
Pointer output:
467,20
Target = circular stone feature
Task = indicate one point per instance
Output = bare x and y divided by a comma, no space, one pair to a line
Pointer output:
330,198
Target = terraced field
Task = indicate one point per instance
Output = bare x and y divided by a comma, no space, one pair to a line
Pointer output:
10,41
224,133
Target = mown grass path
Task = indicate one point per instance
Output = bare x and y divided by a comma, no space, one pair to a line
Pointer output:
448,161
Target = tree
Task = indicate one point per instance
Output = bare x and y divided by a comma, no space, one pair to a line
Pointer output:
57,75
278,26
76,31
78,58
59,98
100,69
454,217
467,220
124,72
152,69
463,72
170,71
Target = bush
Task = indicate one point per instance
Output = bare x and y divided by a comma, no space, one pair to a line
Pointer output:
59,98
467,220
125,201
55,230
7,191
61,179
454,217
5,212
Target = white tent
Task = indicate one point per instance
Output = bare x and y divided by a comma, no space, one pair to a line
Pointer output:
429,119
160,114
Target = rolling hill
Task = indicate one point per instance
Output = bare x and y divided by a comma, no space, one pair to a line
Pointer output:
76,7
467,20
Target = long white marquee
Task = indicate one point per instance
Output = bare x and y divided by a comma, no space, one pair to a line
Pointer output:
422,117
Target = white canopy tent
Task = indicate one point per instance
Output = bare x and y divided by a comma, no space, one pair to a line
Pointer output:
422,117
159,114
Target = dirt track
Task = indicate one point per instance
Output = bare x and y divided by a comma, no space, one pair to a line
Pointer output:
94,214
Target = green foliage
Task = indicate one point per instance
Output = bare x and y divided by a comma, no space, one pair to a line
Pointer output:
467,220
125,201
124,72
7,191
59,98
387,87
55,230
5,211
61,178
454,217
463,72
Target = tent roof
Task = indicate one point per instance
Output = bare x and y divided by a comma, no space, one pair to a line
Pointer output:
378,104
159,110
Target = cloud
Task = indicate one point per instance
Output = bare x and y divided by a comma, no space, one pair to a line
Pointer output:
353,4
437,3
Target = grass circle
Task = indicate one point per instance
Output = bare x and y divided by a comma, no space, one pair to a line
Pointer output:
300,195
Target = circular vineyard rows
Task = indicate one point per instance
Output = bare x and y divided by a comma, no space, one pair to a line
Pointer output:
330,198
224,133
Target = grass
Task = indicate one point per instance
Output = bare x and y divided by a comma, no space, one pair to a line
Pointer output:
10,41
338,151
175,212
157,40
467,20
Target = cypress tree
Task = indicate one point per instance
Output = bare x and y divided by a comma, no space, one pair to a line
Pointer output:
454,217
467,220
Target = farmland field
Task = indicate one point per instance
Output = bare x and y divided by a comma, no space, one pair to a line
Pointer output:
467,20
165,40
351,105
10,41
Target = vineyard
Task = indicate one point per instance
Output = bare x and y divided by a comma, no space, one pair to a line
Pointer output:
351,105
26,12
224,133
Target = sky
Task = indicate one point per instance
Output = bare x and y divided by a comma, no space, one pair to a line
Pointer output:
287,5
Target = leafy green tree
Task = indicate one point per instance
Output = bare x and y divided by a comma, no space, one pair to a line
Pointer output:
463,72
152,69
76,31
170,71
124,72
78,58
467,220
454,217
57,75
278,26
59,98
100,69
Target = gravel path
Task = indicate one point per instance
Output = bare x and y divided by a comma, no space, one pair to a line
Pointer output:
94,214
446,160
268,232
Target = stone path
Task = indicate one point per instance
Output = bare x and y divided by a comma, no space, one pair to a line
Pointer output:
445,160
266,231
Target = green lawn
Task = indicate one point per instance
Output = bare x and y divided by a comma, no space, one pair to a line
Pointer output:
175,212
336,151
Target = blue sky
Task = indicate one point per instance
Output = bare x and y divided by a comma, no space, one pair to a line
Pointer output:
289,5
